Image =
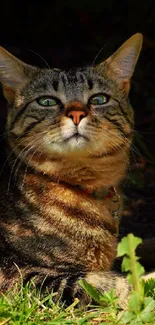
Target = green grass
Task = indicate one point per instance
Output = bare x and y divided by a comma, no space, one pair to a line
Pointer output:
26,306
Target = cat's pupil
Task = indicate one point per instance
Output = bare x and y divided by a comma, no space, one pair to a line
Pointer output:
47,101
99,99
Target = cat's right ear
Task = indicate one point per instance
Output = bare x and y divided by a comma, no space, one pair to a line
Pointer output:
13,74
122,63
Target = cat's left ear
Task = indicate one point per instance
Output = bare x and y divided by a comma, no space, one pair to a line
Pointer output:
14,74
123,61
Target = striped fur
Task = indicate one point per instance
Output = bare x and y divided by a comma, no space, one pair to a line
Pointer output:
49,227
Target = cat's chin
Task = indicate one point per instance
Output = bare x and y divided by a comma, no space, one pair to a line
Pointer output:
76,140
75,144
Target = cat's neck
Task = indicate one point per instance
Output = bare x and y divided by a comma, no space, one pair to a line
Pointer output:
88,174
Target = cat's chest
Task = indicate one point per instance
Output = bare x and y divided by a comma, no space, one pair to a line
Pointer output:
49,222
65,204
84,225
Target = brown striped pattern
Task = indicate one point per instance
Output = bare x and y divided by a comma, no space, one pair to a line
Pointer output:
49,228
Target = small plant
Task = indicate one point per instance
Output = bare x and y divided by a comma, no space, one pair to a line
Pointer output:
141,304
130,264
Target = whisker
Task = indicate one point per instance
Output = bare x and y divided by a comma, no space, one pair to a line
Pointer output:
13,166
98,53
5,134
17,146
26,150
40,57
27,165
133,150
10,155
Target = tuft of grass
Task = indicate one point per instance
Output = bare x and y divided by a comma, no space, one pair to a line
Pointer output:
26,306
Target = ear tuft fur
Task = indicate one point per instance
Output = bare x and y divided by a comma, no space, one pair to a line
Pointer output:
124,60
13,73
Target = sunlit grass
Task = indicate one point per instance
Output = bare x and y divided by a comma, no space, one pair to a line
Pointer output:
26,305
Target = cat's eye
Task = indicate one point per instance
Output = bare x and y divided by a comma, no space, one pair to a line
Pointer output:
99,99
47,101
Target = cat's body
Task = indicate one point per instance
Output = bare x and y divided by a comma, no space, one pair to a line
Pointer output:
68,143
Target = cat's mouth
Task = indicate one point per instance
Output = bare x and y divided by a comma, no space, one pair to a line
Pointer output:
76,136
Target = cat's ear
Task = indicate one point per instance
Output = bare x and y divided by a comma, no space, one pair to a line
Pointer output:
123,61
13,74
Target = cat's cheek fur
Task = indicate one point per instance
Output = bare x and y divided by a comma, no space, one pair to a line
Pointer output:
67,128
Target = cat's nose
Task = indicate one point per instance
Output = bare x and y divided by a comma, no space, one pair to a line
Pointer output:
76,116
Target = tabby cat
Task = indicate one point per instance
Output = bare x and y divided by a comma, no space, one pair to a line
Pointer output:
67,150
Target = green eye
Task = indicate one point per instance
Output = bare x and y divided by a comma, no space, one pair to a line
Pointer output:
99,99
47,101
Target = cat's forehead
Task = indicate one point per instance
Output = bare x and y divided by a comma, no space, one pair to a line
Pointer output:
68,85
67,80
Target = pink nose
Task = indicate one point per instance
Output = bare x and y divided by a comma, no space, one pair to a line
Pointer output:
76,116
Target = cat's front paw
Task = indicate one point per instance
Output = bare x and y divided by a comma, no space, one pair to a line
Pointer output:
106,281
149,276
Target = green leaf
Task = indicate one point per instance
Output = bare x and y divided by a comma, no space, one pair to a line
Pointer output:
110,298
92,291
106,296
149,304
130,262
135,302
124,246
140,285
149,288
147,314
126,264
137,321
147,317
139,269
127,317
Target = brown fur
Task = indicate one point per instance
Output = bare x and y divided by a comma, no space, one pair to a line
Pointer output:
56,219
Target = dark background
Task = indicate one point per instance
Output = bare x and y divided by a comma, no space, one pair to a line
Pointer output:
84,32
73,31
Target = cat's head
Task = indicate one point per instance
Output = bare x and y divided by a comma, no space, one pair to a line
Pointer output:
78,113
